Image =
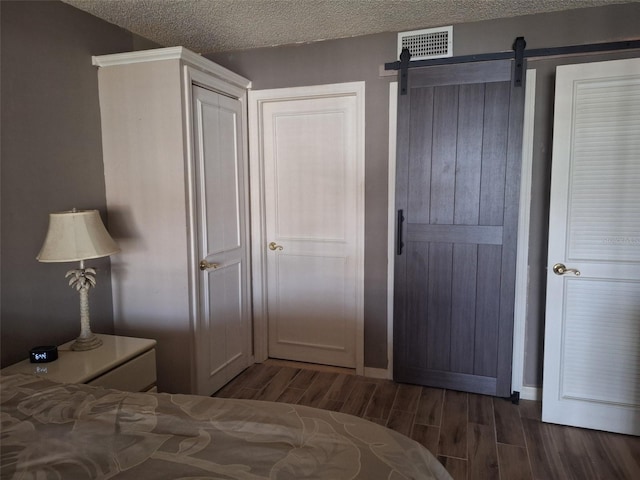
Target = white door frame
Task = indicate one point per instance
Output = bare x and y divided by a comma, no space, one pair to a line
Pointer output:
522,264
522,249
256,102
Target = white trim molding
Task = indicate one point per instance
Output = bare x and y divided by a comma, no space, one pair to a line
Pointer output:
522,259
381,373
391,199
172,53
531,393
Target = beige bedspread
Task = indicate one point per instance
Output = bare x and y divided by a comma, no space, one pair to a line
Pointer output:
69,432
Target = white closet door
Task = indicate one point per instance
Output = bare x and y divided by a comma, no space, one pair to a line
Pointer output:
592,337
223,330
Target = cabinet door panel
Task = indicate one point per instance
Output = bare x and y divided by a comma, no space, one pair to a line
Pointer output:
137,375
222,343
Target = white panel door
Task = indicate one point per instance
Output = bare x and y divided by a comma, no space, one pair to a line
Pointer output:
592,337
313,178
223,338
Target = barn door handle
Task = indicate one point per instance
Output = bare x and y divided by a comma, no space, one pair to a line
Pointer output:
204,265
399,242
560,269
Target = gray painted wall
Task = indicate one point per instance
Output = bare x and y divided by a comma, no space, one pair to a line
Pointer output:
52,156
354,59
51,161
359,59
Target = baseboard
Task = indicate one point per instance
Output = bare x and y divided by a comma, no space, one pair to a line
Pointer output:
382,373
531,393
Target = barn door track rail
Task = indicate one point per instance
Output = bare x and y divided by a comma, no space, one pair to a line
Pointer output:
518,53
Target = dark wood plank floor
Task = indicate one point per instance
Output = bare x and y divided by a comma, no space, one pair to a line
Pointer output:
473,436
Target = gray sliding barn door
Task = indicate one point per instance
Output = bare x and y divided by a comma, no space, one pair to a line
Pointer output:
457,191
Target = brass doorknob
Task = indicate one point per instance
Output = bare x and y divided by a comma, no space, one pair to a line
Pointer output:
275,246
204,265
561,269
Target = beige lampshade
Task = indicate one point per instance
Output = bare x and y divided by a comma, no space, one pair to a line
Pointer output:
76,235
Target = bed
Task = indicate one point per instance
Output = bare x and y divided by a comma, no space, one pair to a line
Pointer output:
62,431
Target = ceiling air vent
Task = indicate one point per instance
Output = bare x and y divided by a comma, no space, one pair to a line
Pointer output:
427,44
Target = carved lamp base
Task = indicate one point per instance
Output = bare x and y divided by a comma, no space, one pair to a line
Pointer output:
88,343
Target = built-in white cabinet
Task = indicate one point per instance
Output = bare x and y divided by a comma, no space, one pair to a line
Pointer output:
175,160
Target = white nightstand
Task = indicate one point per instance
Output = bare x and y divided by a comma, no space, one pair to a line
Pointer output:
123,363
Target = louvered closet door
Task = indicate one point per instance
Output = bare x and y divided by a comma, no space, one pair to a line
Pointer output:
457,184
592,337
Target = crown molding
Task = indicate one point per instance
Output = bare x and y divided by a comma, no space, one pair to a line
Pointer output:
171,53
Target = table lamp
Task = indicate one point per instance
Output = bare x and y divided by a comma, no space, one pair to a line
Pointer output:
78,235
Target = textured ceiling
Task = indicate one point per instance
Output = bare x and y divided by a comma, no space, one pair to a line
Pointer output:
207,26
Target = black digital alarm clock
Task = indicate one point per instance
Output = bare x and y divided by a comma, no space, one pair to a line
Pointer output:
45,354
